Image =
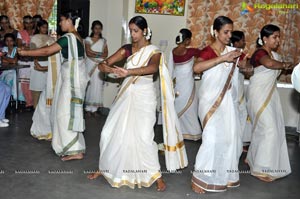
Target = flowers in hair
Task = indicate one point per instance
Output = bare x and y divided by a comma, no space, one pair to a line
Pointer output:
77,23
149,34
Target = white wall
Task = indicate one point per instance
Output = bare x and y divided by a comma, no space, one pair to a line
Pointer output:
114,13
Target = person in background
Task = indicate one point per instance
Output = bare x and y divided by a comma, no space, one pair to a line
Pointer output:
36,19
67,109
43,83
267,156
10,56
4,100
180,63
23,41
38,72
6,28
238,41
96,50
216,163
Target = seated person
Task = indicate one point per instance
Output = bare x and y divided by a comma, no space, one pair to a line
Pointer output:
9,56
10,49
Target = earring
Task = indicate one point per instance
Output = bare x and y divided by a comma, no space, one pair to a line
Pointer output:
144,33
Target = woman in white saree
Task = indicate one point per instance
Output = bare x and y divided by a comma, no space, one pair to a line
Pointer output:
96,51
67,111
268,155
180,65
216,165
128,153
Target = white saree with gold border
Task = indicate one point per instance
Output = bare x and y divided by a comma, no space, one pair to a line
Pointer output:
94,91
186,101
67,111
128,153
267,155
217,160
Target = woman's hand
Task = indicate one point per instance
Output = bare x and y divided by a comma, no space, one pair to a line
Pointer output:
231,56
120,72
104,67
288,65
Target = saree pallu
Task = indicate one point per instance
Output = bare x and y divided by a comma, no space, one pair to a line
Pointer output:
128,153
67,110
95,88
216,165
267,155
186,101
41,121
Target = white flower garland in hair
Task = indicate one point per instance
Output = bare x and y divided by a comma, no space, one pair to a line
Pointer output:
149,33
260,42
180,38
77,23
212,31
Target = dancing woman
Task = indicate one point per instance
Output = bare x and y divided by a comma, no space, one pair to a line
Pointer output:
67,111
181,60
268,155
216,166
128,153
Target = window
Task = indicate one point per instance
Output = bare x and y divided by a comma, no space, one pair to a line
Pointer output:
52,21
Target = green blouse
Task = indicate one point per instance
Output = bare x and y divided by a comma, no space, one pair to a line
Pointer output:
63,42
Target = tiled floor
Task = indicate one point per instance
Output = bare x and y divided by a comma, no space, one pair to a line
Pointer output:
30,169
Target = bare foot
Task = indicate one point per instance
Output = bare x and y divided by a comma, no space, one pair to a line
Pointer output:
160,185
72,157
265,178
94,175
197,189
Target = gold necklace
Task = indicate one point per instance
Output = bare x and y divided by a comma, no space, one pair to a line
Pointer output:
139,60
